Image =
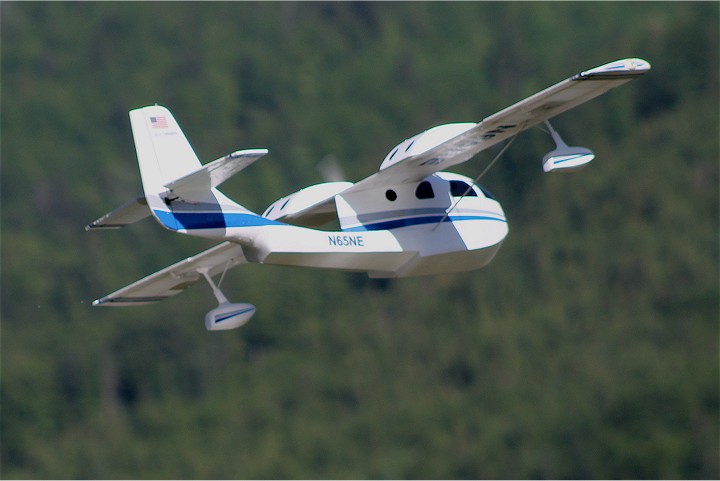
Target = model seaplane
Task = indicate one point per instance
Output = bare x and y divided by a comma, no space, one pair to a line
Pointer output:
410,218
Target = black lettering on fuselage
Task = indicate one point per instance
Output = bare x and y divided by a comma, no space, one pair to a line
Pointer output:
346,240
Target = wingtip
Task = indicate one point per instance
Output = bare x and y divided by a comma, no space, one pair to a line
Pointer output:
96,226
628,67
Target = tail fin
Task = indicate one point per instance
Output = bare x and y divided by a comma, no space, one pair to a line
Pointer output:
164,154
180,192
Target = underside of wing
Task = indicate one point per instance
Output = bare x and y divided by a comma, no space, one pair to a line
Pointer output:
448,145
176,278
133,211
313,216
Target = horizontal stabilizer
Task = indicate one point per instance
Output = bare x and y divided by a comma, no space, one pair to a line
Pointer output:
176,278
131,212
214,173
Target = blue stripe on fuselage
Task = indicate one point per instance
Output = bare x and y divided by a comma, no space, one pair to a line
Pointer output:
210,220
412,221
220,220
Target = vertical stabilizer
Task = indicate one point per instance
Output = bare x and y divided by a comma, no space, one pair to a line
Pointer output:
180,192
164,154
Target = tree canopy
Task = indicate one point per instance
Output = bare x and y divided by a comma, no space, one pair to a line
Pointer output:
587,349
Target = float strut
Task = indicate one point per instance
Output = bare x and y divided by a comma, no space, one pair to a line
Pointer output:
216,290
559,143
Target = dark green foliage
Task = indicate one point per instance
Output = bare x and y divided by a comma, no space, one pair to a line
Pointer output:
587,349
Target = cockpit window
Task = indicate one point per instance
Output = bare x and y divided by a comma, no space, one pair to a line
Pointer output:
424,191
458,188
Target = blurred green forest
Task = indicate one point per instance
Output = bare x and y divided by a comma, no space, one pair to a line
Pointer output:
587,349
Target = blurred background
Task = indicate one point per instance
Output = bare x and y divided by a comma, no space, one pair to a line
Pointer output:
587,349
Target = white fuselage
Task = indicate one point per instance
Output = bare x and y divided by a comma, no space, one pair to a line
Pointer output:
412,229
400,252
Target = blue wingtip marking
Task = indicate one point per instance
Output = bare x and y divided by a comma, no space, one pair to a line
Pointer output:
233,314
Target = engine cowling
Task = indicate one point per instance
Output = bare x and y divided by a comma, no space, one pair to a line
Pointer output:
425,141
228,316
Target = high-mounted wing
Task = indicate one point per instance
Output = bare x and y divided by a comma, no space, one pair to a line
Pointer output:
448,145
176,278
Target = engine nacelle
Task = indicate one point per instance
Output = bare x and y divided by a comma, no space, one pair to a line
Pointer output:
425,141
228,316
286,208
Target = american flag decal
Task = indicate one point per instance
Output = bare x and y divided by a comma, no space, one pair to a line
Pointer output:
158,122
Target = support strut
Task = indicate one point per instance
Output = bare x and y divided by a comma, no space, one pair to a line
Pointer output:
226,315
559,143
216,290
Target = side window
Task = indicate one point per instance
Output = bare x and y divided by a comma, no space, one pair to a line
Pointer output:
424,191
458,188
